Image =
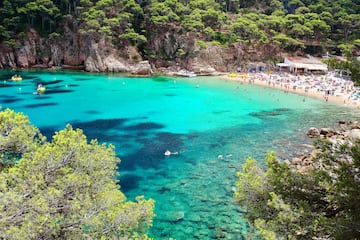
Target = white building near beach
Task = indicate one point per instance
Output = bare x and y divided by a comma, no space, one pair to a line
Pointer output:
302,65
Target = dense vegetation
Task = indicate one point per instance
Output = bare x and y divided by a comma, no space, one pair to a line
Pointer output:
63,189
319,202
314,26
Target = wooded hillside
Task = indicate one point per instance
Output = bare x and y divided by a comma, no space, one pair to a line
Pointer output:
302,26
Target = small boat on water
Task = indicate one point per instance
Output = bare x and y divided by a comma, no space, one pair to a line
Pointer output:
16,78
40,89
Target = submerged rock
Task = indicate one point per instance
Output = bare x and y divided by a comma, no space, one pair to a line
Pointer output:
264,114
173,216
282,109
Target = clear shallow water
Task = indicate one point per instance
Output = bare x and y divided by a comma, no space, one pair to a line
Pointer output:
201,118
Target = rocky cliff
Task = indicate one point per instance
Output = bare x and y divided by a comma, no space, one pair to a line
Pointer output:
177,52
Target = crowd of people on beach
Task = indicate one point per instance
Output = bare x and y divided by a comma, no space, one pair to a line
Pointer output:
326,86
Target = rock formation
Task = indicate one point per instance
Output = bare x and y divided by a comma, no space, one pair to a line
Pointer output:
347,132
72,50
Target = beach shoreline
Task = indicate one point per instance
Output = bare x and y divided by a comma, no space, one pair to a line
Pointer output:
343,100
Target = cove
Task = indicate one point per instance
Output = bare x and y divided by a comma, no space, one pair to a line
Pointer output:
214,125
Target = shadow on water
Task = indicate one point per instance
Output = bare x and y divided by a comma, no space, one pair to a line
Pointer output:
148,156
6,85
101,136
129,182
104,127
31,78
58,91
41,97
93,130
40,105
172,140
48,132
273,113
101,124
160,79
171,95
150,151
51,82
92,112
144,126
282,109
265,114
82,79
103,130
10,100
7,75
145,148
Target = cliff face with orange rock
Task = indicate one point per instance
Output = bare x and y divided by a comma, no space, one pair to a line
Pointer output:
75,51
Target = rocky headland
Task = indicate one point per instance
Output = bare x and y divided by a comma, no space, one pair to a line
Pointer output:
344,133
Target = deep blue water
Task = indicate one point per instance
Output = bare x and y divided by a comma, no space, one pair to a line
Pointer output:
214,125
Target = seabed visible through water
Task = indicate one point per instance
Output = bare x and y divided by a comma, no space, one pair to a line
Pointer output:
214,125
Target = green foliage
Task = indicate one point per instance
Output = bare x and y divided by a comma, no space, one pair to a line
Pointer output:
54,35
321,201
219,37
354,68
12,43
180,52
357,42
63,189
17,136
297,23
302,10
201,44
346,49
193,22
22,36
216,43
277,5
351,66
284,41
162,14
209,32
246,31
3,33
133,37
299,30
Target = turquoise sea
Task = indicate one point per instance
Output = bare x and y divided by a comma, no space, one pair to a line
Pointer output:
213,124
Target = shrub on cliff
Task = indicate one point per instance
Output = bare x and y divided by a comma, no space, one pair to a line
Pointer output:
321,202
63,189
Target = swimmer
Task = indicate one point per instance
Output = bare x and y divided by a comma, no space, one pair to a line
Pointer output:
168,153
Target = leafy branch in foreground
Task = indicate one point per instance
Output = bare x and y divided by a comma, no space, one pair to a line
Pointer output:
317,201
63,189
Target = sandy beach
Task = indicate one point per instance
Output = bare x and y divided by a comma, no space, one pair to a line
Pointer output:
320,87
